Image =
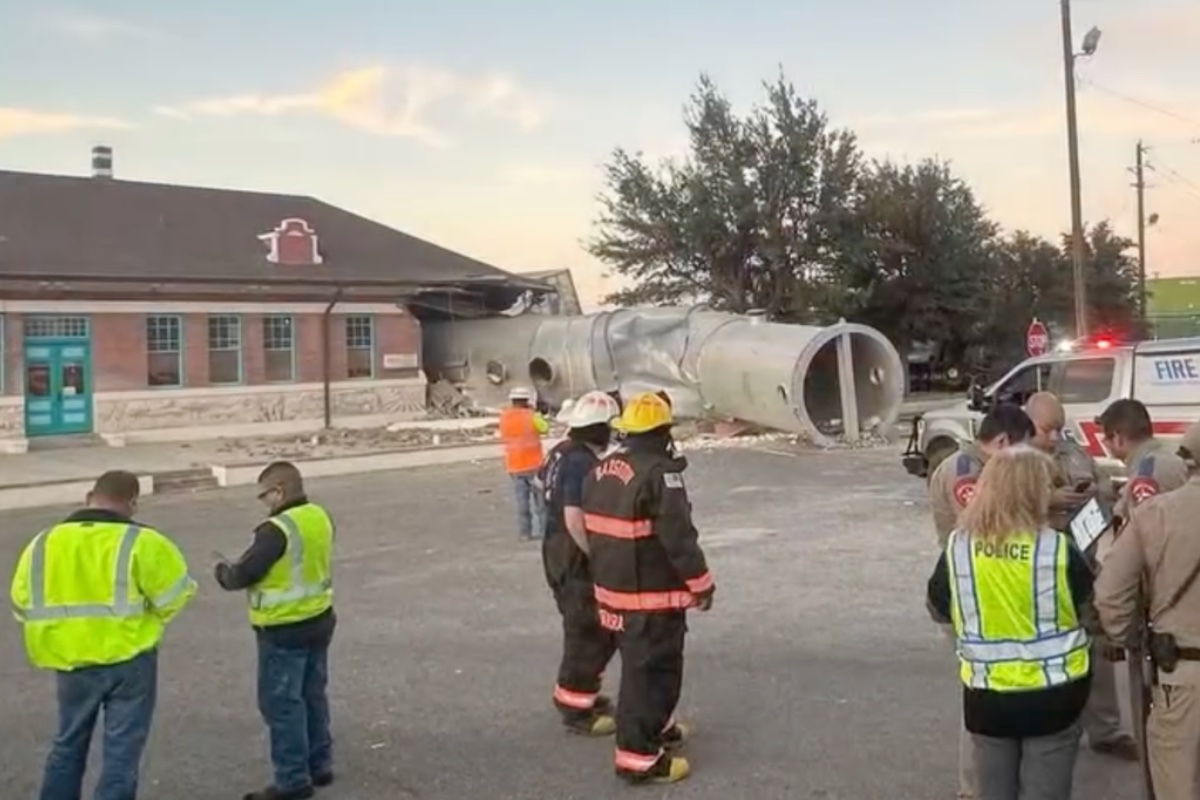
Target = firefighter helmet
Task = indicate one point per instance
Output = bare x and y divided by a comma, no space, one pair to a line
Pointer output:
594,408
644,413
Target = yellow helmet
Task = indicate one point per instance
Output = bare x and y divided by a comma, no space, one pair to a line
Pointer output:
643,413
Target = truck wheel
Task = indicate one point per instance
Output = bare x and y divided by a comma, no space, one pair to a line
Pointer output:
939,450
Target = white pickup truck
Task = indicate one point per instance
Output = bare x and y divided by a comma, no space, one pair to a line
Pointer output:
1163,374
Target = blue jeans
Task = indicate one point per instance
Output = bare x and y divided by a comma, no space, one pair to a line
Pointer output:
293,703
126,692
531,512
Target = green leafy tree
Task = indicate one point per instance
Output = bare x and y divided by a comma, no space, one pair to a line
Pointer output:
919,271
748,220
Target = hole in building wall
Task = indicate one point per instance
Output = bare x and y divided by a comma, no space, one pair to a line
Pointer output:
540,372
496,373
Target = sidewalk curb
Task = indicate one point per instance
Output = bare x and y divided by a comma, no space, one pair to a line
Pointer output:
55,493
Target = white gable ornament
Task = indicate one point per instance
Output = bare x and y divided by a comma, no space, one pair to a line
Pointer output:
293,243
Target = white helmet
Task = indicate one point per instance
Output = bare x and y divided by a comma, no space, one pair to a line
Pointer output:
520,393
594,408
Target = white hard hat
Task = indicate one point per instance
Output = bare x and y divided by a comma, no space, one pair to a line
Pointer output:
594,408
520,393
564,413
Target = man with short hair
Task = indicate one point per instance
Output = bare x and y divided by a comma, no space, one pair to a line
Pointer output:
287,573
1075,468
951,487
94,595
1154,468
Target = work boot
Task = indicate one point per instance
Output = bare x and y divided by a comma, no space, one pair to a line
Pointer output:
322,779
592,725
676,736
603,704
1123,748
274,793
668,769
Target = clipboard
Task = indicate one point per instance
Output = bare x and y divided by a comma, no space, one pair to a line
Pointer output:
1089,524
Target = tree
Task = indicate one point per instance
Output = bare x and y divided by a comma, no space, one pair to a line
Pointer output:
920,271
748,220
1111,275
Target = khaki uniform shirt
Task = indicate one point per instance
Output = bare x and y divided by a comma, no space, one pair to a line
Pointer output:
1162,543
1154,468
951,487
1073,466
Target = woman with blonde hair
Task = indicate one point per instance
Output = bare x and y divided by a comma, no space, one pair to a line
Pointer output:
1016,591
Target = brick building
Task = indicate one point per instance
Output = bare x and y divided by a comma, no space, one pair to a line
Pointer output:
138,311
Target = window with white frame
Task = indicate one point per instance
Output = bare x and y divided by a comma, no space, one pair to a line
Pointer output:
164,351
279,363
360,347
224,349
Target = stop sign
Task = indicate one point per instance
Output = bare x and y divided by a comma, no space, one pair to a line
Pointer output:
1037,338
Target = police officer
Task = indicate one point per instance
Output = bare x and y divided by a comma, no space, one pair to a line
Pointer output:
1161,548
94,594
649,570
587,646
1153,467
952,484
951,487
1075,469
287,572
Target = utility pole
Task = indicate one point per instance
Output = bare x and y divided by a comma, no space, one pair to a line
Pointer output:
1077,254
1139,172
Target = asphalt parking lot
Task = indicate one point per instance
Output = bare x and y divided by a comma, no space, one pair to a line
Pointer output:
816,675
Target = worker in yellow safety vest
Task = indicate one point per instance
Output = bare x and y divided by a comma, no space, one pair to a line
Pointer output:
94,594
287,575
1017,591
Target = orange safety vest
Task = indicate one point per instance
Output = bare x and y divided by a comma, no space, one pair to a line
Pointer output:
522,444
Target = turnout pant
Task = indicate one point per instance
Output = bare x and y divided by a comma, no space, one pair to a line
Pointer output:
651,646
587,649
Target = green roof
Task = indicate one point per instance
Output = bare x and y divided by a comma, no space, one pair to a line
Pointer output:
1173,296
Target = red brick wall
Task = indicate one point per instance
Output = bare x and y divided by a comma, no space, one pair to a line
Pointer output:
119,361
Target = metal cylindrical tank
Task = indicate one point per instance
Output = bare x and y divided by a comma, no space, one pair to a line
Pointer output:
817,381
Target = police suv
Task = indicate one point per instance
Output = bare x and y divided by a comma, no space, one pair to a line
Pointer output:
1163,374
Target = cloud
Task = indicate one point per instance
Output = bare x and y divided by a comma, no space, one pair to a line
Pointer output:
400,101
1135,113
90,27
24,122
538,176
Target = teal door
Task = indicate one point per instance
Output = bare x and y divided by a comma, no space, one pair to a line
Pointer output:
58,388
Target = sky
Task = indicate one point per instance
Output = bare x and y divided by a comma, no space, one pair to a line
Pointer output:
483,126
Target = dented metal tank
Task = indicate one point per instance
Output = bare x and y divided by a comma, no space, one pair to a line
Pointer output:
845,379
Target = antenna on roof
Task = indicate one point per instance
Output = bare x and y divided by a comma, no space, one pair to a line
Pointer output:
102,161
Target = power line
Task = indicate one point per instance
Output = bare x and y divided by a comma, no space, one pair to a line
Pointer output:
1142,103
1176,174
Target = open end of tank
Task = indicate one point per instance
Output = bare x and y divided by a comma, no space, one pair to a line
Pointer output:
878,383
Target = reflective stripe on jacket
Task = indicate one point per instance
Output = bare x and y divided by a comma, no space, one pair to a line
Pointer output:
522,442
97,593
299,586
1014,615
645,551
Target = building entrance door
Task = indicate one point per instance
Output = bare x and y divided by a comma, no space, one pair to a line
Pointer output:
58,388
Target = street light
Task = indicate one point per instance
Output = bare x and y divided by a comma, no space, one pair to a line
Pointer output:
1090,42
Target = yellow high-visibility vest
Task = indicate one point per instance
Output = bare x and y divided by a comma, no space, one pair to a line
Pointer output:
299,585
1013,612
97,593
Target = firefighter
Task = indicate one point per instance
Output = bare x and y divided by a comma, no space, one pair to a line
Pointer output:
1075,469
648,570
1159,550
94,594
951,487
587,646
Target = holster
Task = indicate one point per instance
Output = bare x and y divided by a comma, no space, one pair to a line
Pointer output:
1164,651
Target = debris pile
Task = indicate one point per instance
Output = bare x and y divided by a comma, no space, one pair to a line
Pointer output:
445,400
347,441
